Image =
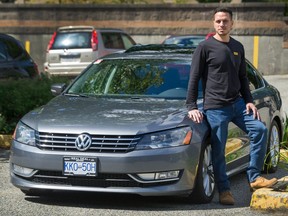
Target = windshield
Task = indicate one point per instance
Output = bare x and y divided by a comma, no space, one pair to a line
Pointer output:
135,77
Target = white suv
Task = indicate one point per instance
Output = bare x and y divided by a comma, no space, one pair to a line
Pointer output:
73,48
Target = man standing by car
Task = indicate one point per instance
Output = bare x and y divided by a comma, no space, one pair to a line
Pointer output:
219,62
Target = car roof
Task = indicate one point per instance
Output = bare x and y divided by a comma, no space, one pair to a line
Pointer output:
11,38
171,51
86,28
7,36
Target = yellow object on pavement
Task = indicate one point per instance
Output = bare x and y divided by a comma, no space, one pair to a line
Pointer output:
5,141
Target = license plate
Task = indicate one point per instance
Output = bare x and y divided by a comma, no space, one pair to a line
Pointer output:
82,166
70,60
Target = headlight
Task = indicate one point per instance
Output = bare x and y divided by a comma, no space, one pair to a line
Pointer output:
165,139
24,134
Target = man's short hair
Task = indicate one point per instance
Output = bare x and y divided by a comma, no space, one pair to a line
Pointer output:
224,10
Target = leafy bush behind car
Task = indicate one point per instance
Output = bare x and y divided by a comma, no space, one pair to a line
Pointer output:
20,96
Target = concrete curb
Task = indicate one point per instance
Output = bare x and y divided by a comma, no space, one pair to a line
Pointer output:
268,199
5,141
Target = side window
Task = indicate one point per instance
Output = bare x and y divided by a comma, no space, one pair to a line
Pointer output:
9,50
112,41
254,79
108,43
128,41
107,40
3,52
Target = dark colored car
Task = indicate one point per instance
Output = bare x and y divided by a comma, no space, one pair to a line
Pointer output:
72,48
122,127
15,62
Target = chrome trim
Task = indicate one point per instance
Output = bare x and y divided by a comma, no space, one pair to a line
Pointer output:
100,143
152,181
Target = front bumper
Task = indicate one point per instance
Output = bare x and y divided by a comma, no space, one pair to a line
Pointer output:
117,172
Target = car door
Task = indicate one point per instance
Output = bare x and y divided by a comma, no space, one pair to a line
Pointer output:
237,146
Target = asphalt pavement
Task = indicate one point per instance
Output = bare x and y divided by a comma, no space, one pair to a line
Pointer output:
15,203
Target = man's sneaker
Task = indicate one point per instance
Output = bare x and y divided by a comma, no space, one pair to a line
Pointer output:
226,198
262,182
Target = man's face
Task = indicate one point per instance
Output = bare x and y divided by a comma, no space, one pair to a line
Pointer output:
222,23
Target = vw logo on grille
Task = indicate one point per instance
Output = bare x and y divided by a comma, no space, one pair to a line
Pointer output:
83,142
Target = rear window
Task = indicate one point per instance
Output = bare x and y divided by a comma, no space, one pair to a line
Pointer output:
72,40
9,50
192,41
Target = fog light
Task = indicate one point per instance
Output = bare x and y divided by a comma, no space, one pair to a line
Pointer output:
159,176
23,171
167,175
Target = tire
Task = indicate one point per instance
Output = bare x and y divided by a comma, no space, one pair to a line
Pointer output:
205,184
273,149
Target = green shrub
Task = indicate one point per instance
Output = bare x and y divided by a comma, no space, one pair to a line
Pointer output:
2,121
21,96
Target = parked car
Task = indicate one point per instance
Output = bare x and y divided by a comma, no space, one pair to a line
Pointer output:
122,127
15,62
210,34
184,40
72,48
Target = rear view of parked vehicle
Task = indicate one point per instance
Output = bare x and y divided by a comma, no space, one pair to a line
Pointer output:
73,48
15,62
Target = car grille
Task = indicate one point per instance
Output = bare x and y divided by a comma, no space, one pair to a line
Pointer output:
101,180
100,143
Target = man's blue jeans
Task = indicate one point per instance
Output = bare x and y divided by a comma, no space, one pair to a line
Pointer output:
256,130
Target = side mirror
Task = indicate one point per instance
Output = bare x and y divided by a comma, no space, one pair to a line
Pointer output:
58,88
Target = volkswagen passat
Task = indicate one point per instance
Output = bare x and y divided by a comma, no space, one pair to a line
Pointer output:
122,127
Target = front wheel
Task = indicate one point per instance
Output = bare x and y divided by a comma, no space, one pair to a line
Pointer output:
205,184
273,149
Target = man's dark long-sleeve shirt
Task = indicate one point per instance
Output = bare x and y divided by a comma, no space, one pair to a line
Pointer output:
222,69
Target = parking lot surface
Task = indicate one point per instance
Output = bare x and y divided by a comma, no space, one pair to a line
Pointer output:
14,203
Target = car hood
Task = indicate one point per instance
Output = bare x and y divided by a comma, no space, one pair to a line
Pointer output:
128,116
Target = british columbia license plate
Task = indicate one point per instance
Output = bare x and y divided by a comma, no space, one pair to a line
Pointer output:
80,166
